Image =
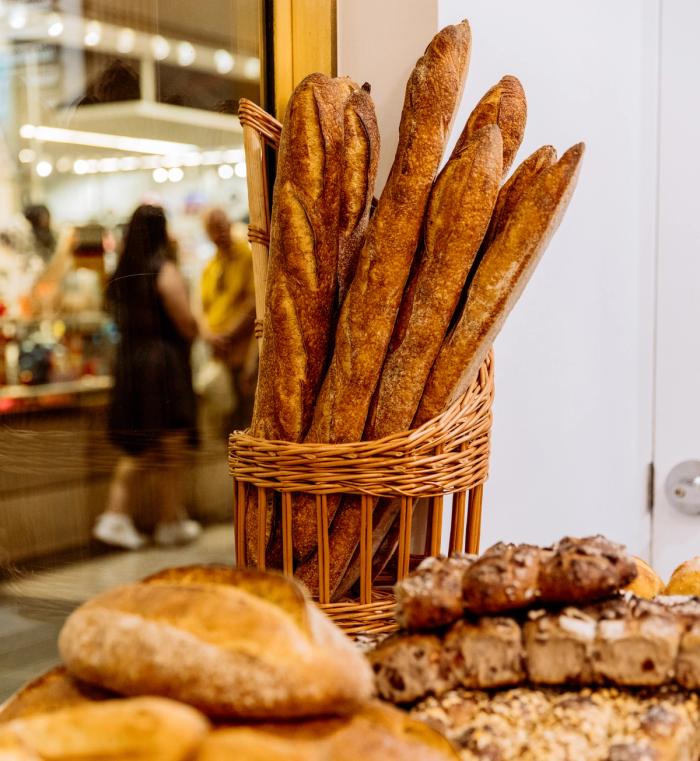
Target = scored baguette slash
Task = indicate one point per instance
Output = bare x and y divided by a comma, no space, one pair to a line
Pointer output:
505,106
360,162
302,271
515,187
500,278
370,308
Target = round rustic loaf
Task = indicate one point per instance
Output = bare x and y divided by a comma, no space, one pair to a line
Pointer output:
120,730
233,643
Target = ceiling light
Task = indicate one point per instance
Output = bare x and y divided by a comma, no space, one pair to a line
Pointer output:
93,33
64,164
211,158
55,27
80,166
26,155
18,18
251,68
151,162
175,174
101,140
223,61
240,170
93,166
186,53
225,171
126,40
233,155
192,159
108,165
160,47
160,174
129,163
44,168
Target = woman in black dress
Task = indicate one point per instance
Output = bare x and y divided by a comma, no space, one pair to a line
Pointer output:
152,416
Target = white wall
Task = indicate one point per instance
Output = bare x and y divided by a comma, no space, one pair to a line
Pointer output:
572,432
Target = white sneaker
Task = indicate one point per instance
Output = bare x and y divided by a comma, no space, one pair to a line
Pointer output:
176,532
118,530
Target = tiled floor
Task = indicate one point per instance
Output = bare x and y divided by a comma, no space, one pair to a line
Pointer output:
34,605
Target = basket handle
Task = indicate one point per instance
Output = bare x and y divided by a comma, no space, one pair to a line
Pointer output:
259,129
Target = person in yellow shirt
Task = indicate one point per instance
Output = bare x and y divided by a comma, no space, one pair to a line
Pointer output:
228,309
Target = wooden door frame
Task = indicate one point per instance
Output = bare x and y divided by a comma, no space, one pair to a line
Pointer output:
300,38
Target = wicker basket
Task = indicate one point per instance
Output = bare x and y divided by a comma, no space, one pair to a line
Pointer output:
447,455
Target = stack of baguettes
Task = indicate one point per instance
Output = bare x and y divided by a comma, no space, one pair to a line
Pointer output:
208,663
375,323
576,667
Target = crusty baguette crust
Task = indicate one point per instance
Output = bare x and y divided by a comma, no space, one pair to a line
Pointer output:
505,106
370,308
498,282
137,729
360,162
302,273
220,648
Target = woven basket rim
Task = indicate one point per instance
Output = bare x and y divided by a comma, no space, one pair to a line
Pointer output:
428,431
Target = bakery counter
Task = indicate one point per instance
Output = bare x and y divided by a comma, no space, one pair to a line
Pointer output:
89,390
56,462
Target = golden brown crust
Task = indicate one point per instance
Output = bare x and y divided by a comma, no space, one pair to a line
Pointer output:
499,280
228,650
376,733
505,106
360,162
370,308
685,580
52,691
302,274
139,729
647,584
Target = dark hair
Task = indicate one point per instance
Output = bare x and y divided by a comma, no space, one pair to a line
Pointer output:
39,217
146,245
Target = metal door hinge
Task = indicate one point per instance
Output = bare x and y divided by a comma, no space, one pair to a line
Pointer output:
650,486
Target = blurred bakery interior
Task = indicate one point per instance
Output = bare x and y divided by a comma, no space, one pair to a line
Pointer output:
105,105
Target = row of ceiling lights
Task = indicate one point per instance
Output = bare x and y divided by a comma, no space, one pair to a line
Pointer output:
128,41
229,163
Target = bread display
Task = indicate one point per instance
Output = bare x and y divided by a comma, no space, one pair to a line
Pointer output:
376,733
147,728
549,725
231,643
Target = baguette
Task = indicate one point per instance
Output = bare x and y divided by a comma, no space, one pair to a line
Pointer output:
371,306
499,280
360,161
505,106
302,275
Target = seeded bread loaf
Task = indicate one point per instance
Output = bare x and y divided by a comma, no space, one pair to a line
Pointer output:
551,725
233,643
